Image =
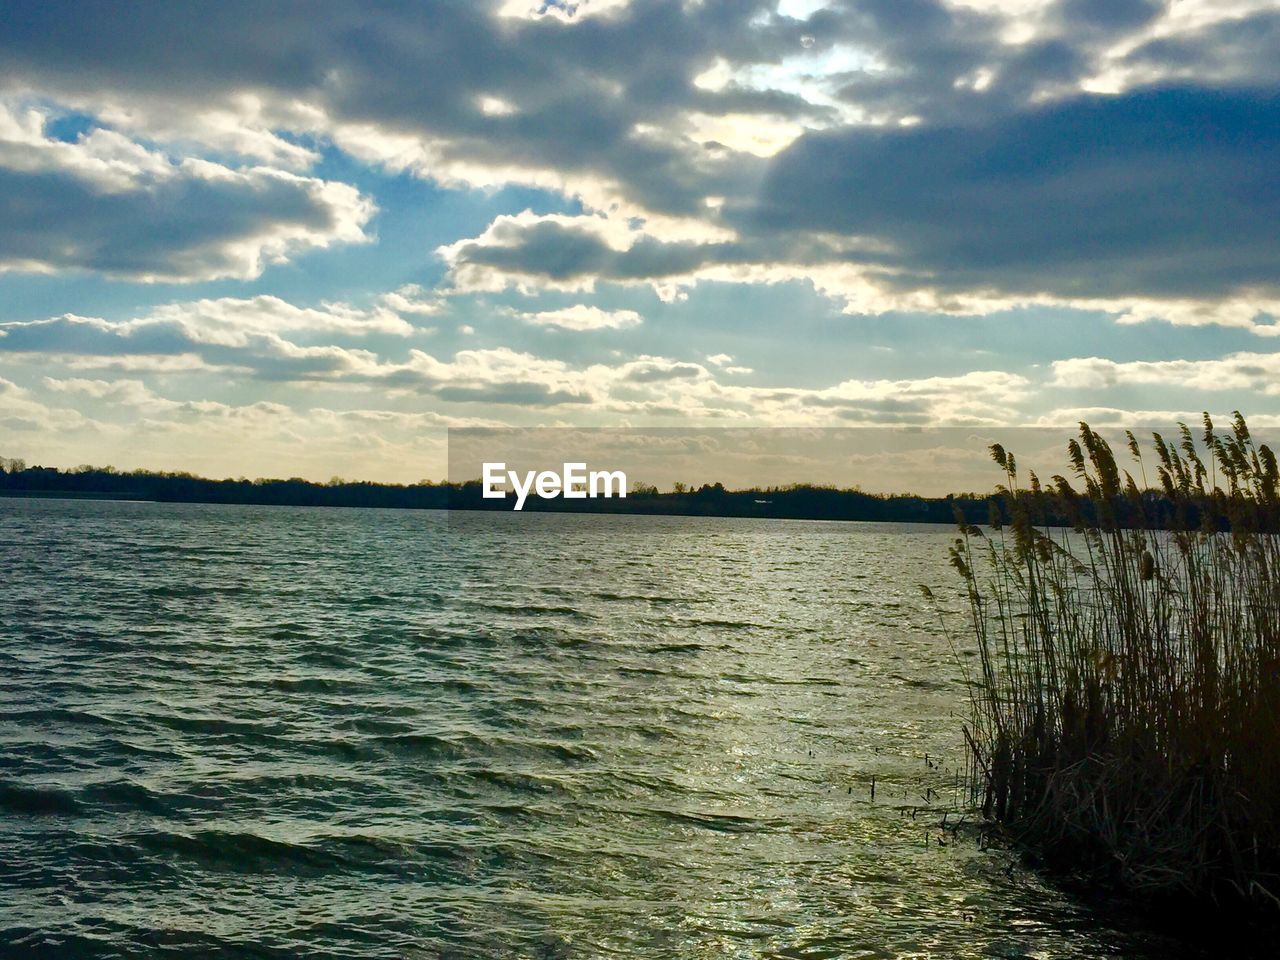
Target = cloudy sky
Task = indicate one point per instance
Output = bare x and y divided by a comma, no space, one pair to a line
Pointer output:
248,238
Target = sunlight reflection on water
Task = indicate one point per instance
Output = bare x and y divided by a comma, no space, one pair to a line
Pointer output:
249,731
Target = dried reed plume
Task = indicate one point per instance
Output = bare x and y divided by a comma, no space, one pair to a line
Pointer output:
1126,704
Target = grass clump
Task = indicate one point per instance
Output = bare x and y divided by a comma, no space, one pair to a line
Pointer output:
1126,690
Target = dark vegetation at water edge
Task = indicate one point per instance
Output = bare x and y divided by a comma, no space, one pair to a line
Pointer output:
792,502
1126,687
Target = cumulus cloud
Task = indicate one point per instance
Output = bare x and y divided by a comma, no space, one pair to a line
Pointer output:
583,317
107,204
576,91
646,385
1256,372
1133,205
228,319
202,339
500,375
250,335
725,362
1256,314
534,253
76,420
1230,43
412,299
129,393
671,112
1140,420
265,354
981,396
609,102
23,416
1141,195
927,156
658,369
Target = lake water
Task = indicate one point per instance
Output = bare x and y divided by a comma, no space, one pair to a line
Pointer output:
277,732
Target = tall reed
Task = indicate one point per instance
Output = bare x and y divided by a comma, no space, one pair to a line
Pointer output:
1126,687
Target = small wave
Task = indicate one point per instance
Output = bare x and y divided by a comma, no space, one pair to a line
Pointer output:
780,681
372,600
610,596
190,591
531,609
123,793
44,716
715,622
314,684
569,752
216,726
717,822
288,631
518,781
422,745
238,851
38,801
328,657
678,648
113,746
919,683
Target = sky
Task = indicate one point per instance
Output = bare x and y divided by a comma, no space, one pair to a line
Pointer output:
305,239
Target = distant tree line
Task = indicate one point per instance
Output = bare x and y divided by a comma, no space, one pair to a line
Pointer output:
796,501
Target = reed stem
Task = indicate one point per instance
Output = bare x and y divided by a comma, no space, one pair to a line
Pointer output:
1126,707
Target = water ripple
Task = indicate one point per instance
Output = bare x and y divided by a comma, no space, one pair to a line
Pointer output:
273,732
